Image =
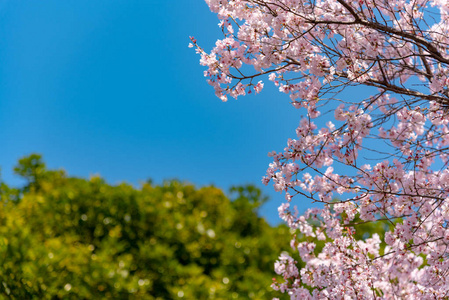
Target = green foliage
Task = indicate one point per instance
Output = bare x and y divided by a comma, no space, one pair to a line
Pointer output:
72,238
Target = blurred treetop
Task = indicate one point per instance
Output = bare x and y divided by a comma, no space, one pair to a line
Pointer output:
73,238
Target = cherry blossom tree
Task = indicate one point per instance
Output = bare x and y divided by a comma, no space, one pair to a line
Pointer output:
377,154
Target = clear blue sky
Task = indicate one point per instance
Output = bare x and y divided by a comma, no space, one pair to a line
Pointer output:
111,88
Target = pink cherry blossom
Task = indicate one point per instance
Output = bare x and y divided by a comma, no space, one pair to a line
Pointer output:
377,156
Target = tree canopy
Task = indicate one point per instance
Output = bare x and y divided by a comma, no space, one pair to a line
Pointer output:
63,237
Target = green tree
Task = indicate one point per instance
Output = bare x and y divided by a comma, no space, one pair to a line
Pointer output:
74,238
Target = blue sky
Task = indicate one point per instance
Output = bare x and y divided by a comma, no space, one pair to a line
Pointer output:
111,88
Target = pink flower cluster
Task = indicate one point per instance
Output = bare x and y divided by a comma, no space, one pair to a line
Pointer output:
380,158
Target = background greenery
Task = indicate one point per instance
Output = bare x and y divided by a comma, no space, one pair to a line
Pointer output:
73,238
